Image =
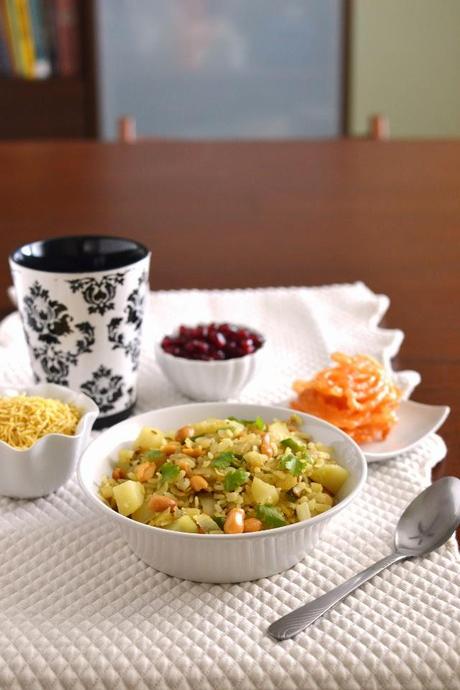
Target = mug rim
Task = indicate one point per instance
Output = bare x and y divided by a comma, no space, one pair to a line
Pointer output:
134,254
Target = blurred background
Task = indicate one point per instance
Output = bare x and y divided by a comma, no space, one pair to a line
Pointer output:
228,69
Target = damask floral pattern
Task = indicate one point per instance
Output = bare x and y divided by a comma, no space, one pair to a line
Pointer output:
56,362
46,317
135,306
50,322
105,388
124,332
120,340
99,294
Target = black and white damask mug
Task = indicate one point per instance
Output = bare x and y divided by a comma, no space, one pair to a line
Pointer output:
81,300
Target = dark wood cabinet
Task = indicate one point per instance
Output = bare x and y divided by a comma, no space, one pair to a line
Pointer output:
58,107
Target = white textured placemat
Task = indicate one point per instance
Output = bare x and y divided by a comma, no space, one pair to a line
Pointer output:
79,610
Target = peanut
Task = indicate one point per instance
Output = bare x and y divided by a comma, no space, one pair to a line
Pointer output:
170,448
234,522
192,452
265,446
145,471
183,464
159,503
118,473
252,525
184,432
198,483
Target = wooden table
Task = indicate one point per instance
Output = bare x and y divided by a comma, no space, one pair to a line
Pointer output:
282,213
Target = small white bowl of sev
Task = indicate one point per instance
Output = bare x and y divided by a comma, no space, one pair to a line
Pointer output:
43,431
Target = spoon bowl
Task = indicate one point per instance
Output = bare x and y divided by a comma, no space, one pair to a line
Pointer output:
430,519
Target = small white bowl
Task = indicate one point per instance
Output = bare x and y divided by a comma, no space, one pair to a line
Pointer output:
213,380
51,461
208,557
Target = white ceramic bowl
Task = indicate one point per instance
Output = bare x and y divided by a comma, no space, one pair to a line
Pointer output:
213,380
218,558
51,461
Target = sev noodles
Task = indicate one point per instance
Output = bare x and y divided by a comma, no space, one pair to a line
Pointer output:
25,419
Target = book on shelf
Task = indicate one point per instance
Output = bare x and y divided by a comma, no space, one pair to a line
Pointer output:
39,38
26,43
12,23
68,37
6,58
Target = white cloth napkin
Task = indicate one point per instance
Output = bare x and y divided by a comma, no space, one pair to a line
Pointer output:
79,610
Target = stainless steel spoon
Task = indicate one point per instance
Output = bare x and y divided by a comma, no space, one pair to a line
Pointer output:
425,525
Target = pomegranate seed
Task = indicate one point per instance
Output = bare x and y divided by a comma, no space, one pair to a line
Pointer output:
214,341
247,347
202,332
217,339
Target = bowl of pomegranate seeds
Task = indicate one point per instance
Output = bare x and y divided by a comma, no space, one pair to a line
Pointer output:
210,361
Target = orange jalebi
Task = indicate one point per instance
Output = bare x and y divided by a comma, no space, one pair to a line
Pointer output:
356,395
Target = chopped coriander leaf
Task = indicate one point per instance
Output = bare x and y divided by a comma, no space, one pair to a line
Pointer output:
153,454
293,464
224,460
270,516
235,478
258,422
293,445
169,471
219,520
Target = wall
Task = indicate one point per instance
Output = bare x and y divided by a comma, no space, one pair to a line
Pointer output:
405,62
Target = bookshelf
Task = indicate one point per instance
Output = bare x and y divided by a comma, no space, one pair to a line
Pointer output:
55,107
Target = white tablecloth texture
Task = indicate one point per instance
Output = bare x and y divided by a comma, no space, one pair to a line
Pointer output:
79,610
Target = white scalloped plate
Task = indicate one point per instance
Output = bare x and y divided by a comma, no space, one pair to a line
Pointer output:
415,421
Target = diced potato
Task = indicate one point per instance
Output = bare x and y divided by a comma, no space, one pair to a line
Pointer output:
107,491
303,511
124,456
210,426
287,482
184,524
316,487
206,523
129,496
278,431
144,513
262,492
149,439
320,508
330,476
255,459
324,498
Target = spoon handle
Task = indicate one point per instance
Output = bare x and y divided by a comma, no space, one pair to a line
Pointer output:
296,621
